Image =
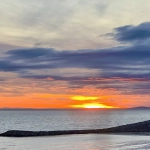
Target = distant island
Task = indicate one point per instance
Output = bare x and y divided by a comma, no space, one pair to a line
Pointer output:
139,108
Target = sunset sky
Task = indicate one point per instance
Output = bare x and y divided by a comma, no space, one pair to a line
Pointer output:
74,53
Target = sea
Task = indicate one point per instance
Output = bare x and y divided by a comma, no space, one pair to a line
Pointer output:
51,120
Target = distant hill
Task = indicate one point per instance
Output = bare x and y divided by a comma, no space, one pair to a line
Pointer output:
140,108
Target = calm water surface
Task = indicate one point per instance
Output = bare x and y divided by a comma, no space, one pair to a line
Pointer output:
68,119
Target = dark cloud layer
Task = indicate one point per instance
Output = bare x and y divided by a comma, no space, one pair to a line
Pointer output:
117,61
130,33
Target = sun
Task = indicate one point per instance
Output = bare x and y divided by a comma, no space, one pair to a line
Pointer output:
92,106
96,105
88,102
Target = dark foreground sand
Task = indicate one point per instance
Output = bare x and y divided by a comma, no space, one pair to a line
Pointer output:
135,128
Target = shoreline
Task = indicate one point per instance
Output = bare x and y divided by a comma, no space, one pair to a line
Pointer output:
140,128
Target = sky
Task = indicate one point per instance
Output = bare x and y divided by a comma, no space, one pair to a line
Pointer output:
74,54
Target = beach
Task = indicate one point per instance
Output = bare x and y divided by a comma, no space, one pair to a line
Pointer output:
77,142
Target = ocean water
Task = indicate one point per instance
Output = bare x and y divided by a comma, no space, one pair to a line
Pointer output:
68,119
72,119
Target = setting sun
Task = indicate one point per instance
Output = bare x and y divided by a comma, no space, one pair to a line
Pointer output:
92,105
95,105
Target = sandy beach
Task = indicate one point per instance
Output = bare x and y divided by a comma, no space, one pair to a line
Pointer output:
78,142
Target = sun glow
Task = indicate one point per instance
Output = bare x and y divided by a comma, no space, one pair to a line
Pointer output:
95,105
84,98
92,105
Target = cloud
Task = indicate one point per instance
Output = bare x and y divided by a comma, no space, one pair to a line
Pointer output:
66,24
126,85
115,61
56,20
131,33
84,98
122,68
126,61
29,53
